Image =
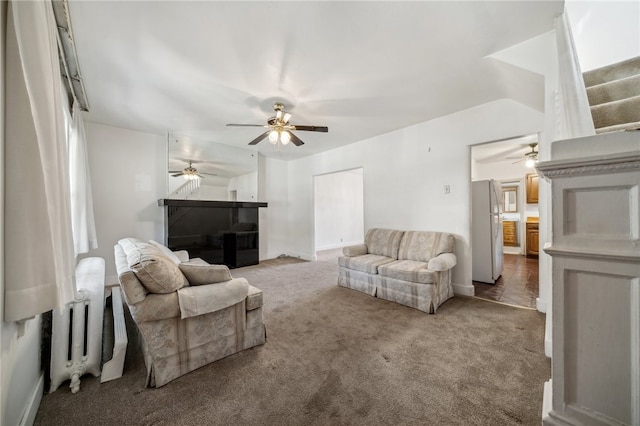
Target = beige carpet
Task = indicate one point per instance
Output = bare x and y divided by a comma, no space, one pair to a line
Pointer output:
614,96
335,356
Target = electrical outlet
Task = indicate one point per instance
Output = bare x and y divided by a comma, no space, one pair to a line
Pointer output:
447,189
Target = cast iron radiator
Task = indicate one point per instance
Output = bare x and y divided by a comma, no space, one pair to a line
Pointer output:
76,346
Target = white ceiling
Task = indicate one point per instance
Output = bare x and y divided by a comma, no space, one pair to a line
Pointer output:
509,150
360,68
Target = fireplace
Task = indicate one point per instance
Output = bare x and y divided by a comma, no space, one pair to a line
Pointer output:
219,232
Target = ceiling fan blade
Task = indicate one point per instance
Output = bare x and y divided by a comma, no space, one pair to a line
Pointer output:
296,140
247,125
175,171
209,174
178,174
310,128
520,160
259,138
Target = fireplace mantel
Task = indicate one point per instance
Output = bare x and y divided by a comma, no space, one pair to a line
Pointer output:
208,203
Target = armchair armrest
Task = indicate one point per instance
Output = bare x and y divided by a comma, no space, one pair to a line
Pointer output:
156,307
202,299
356,250
442,262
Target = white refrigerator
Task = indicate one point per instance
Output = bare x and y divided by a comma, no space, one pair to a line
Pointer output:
486,231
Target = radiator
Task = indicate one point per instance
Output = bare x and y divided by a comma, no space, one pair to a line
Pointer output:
76,341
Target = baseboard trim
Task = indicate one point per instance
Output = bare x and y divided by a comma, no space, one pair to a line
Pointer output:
547,399
29,416
541,305
338,245
464,290
308,257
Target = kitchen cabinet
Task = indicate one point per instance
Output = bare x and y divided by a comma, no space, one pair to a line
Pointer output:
532,180
509,233
533,241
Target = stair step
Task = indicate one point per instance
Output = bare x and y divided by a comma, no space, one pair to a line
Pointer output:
614,90
620,127
616,112
612,72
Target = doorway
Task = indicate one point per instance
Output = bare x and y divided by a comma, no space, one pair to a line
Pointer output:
505,162
338,209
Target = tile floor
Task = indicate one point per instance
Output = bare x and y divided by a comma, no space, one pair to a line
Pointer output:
518,284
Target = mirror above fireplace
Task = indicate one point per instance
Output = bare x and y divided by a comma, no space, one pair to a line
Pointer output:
203,170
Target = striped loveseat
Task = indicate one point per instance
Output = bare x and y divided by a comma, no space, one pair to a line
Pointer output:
412,268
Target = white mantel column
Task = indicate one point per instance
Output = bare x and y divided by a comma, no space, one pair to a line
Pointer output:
596,280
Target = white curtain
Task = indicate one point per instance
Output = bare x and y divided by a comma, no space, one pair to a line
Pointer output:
84,227
39,255
573,116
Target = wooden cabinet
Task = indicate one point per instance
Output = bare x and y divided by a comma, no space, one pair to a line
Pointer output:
533,242
532,188
510,233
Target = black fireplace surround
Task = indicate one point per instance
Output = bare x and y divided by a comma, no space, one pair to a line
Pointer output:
219,232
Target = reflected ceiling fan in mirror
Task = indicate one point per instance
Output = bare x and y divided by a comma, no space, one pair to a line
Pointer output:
189,172
530,157
279,129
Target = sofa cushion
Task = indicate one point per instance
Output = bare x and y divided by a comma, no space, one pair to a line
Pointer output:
182,255
408,270
158,274
368,263
383,242
165,251
205,274
422,246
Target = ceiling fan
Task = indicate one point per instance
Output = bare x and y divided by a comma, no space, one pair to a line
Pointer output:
530,157
190,172
279,129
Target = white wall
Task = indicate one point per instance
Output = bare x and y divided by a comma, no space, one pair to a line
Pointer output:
273,189
605,32
128,177
339,209
405,173
246,186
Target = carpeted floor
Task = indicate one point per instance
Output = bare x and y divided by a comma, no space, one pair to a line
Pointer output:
335,356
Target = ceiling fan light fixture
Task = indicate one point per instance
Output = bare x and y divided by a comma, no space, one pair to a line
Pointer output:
190,176
285,137
286,117
273,137
531,161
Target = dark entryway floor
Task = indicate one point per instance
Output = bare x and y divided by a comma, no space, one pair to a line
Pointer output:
518,284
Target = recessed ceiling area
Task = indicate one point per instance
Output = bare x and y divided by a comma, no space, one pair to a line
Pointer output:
360,68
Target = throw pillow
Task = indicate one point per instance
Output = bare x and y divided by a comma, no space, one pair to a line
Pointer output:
158,274
165,251
205,274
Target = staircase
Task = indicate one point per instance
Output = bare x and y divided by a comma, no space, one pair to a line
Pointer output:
614,96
